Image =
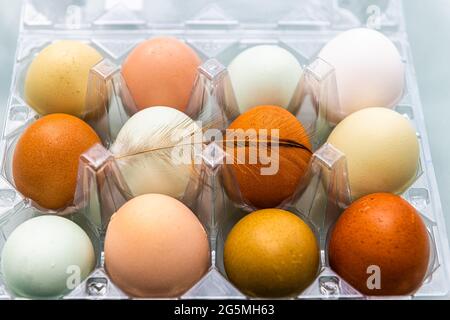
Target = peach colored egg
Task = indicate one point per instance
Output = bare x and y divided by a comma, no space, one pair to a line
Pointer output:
156,247
385,231
45,161
161,72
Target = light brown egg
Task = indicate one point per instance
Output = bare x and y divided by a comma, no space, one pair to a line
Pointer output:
156,247
45,161
289,162
383,231
161,72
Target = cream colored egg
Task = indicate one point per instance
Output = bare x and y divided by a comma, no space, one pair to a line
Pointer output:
152,152
369,72
57,79
381,148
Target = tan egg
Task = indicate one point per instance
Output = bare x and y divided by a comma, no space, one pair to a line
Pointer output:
57,79
161,72
156,247
45,162
271,253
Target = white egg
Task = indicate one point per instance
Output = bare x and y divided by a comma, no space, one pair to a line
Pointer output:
148,149
369,72
264,75
46,256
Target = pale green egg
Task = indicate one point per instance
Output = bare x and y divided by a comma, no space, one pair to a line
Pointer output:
46,257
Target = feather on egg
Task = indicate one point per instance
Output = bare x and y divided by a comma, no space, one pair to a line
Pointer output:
145,151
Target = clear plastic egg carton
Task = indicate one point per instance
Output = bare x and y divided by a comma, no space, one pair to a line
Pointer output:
217,30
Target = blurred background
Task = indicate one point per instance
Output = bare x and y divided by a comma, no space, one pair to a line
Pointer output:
428,25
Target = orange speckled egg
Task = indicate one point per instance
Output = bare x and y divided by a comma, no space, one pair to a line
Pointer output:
45,161
288,164
161,72
380,230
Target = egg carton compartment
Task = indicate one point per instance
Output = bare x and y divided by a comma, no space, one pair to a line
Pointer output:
327,194
304,48
102,191
217,32
319,207
212,101
107,86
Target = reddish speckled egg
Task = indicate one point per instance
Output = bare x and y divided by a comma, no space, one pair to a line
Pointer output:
161,72
380,237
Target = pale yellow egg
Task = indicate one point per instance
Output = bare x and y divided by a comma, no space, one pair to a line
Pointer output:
57,79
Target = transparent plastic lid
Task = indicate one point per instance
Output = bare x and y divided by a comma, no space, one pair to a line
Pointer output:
198,15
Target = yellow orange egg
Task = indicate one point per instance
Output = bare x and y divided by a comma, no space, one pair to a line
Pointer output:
45,162
271,253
